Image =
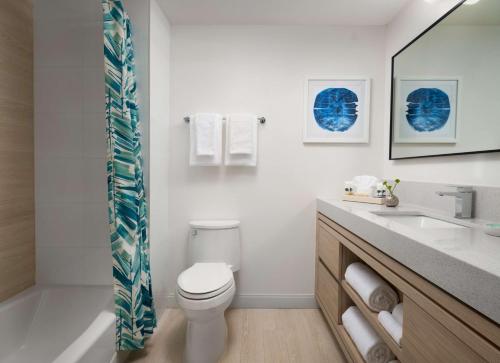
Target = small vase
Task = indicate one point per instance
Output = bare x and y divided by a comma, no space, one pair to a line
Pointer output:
391,201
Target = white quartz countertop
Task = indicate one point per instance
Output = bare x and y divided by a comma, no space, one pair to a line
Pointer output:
465,262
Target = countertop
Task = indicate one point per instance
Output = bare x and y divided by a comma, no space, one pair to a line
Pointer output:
464,262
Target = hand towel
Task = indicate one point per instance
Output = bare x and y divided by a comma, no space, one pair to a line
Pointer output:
375,292
205,128
391,325
371,347
241,129
397,312
241,140
205,132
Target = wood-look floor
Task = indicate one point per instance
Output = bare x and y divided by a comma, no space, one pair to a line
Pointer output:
255,335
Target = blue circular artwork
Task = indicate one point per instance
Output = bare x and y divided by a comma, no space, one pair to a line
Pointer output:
428,109
335,109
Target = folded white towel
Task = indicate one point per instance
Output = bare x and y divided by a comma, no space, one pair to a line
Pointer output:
397,312
205,128
205,132
241,140
241,129
391,325
371,347
375,292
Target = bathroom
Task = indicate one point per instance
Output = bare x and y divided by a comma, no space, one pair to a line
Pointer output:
266,255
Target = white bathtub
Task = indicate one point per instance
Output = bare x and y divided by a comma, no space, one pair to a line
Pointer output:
58,325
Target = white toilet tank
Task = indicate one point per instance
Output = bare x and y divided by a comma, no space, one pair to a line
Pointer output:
215,241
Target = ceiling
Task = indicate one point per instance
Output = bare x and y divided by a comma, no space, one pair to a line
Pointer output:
281,12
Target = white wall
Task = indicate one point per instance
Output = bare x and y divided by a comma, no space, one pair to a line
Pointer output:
159,73
262,70
72,234
480,169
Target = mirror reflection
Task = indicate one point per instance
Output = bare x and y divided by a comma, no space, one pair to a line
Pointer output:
446,86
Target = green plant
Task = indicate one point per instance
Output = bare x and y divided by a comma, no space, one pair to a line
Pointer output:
391,187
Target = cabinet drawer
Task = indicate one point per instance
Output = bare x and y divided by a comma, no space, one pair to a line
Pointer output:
329,249
327,292
426,340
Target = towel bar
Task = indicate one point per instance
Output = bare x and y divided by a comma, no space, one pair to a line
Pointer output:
261,120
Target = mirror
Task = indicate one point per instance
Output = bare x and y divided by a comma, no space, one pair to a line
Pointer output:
446,86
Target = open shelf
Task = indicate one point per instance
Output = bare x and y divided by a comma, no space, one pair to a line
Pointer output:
372,318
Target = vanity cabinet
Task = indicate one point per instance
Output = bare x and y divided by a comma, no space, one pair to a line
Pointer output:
426,340
327,291
436,326
328,249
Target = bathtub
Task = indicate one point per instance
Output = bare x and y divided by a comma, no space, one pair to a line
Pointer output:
58,324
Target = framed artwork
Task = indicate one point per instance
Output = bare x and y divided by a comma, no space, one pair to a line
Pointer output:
426,110
337,110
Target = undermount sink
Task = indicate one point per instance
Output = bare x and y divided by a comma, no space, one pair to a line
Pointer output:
418,220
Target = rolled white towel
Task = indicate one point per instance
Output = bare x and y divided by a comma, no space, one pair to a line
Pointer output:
375,292
391,325
397,312
371,347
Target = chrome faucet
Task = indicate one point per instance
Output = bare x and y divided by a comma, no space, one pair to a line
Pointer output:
463,201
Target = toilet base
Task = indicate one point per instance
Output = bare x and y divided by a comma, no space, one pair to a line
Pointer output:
206,326
205,340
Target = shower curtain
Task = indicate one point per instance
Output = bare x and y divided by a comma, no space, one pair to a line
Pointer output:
135,314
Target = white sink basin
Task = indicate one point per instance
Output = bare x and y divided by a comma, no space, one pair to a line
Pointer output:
418,220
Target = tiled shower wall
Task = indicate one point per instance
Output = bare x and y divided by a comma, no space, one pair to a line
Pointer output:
71,201
17,214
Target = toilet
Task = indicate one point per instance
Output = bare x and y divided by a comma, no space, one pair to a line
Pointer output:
207,287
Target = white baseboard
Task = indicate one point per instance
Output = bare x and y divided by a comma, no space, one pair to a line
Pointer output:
275,301
265,301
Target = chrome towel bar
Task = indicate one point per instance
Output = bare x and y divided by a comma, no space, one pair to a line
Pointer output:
261,120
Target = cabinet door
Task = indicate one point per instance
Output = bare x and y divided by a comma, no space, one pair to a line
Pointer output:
329,249
426,340
327,292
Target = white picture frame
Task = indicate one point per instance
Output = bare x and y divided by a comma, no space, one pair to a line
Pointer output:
327,127
404,132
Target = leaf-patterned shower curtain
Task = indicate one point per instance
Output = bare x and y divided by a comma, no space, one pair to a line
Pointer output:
135,314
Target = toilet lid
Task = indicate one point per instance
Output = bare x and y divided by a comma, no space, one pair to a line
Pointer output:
203,278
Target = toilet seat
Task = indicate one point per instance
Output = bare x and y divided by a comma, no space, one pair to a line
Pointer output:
206,296
209,304
204,281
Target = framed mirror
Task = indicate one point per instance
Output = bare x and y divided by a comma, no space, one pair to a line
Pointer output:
445,94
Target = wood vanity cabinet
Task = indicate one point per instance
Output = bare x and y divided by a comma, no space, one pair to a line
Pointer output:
327,291
328,250
436,327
